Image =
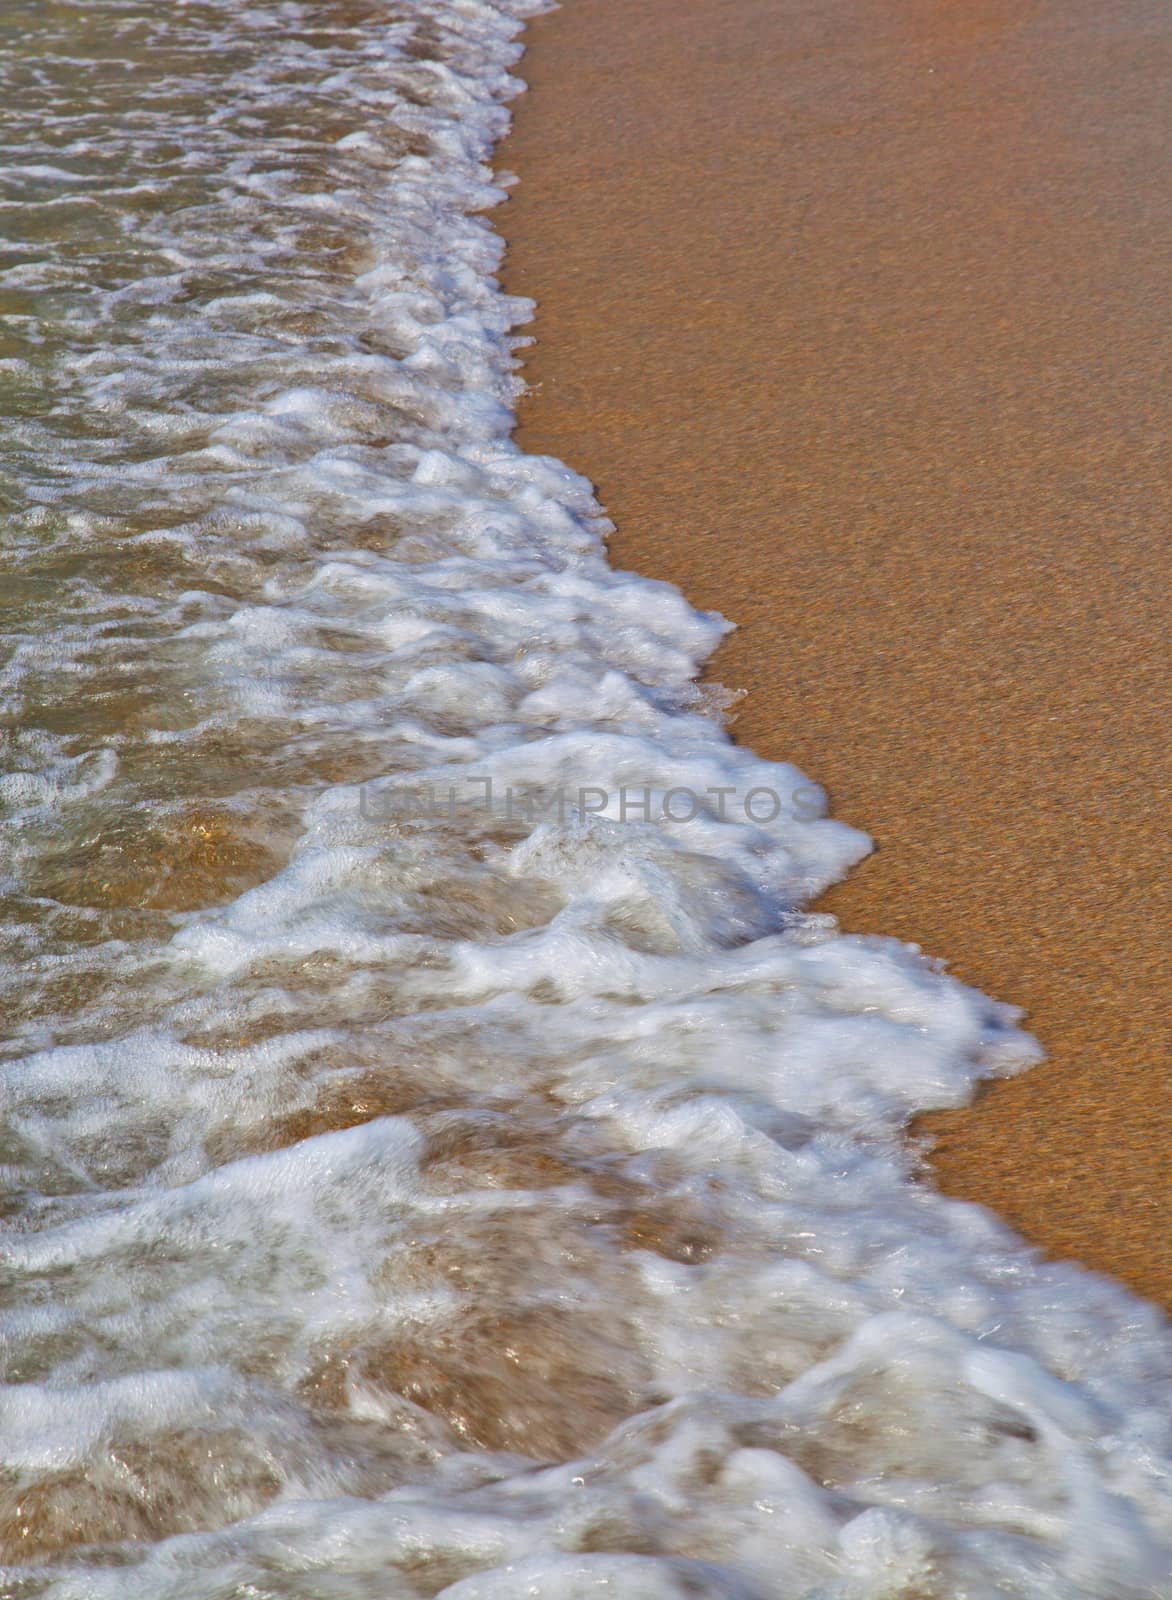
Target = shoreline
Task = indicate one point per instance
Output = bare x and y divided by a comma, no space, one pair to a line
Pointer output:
862,349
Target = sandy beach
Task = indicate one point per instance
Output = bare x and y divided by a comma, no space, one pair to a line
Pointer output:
854,314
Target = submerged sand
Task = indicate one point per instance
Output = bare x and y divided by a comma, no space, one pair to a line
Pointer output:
855,315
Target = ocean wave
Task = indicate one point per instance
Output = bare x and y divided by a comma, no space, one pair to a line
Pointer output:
442,1155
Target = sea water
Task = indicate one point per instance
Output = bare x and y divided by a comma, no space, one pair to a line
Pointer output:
439,1154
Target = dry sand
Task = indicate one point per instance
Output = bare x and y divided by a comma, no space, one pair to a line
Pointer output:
853,310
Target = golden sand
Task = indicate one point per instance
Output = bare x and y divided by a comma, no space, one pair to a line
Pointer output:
854,313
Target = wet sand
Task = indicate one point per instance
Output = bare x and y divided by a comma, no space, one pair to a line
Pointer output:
854,312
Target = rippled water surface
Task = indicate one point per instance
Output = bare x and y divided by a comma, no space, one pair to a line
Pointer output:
432,1164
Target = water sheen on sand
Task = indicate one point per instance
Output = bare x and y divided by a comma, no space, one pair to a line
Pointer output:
487,1195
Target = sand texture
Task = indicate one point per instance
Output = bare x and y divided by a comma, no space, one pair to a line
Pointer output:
855,313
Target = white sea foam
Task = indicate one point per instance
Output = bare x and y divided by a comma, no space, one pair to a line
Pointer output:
495,1193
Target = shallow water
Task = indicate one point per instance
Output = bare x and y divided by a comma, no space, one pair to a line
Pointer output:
440,1155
